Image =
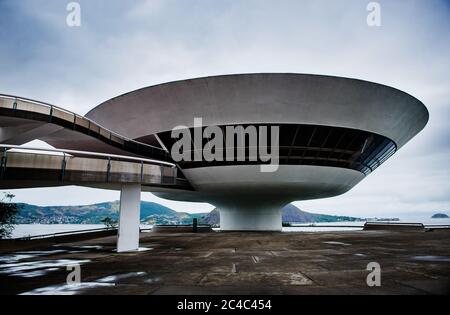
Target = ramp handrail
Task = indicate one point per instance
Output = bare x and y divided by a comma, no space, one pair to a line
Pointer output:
97,154
90,122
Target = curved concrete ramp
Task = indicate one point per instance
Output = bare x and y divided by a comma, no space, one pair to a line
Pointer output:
23,120
28,167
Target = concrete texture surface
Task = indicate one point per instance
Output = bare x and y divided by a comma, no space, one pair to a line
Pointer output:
237,263
268,98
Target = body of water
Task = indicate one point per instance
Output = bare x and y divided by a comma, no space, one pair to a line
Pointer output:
24,230
343,226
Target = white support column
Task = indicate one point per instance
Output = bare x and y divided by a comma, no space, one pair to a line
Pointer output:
129,218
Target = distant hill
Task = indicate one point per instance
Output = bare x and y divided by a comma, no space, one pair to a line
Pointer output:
151,213
212,218
440,216
93,214
291,214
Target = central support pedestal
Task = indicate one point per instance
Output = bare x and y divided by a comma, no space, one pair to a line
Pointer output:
129,218
250,219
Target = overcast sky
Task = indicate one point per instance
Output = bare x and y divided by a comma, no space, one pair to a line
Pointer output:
125,45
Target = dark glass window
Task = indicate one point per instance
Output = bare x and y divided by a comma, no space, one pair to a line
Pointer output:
314,145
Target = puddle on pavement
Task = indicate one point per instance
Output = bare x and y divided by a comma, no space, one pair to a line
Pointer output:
337,243
71,289
67,289
36,273
13,264
39,268
115,278
140,249
431,258
90,247
153,280
17,256
21,255
145,249
8,259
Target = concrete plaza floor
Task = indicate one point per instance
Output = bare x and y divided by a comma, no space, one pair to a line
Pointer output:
236,263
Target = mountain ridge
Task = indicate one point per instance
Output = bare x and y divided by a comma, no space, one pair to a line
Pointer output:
151,213
290,214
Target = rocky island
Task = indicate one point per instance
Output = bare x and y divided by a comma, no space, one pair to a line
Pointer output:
440,216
